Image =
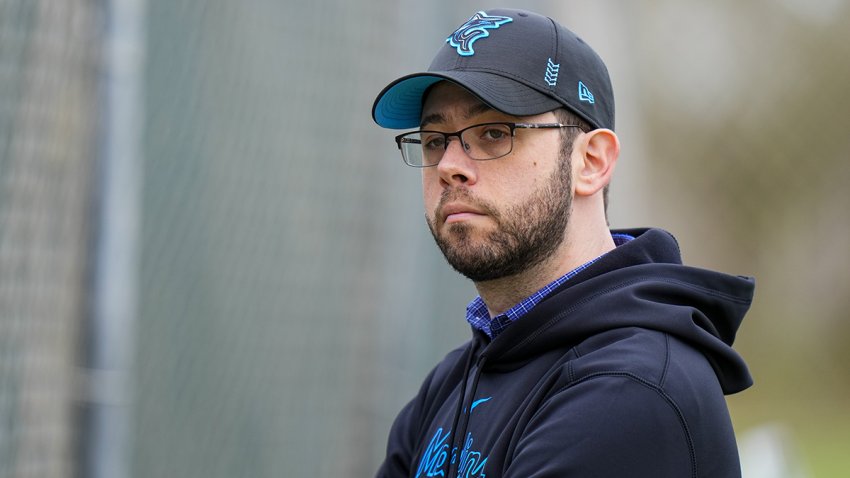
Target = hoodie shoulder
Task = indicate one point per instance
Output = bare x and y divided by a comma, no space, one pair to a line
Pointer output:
641,285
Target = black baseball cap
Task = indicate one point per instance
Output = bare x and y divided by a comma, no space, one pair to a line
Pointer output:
517,62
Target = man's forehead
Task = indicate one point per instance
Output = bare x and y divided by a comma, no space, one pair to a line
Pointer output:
446,101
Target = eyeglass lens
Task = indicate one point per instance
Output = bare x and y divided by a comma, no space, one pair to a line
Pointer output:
486,141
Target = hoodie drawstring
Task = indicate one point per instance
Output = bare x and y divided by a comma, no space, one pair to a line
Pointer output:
463,410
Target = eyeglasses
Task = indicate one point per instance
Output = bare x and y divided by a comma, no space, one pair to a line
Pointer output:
481,142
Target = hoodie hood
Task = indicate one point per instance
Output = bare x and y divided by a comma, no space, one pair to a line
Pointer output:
639,284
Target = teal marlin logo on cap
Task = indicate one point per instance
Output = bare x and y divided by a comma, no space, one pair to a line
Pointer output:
473,30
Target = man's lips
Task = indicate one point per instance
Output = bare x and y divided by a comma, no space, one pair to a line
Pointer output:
455,212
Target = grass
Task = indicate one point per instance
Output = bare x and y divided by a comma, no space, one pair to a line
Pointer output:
819,428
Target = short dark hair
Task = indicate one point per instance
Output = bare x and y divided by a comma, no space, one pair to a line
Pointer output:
568,135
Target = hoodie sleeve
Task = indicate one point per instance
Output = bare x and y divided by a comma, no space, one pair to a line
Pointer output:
404,438
605,426
401,443
399,446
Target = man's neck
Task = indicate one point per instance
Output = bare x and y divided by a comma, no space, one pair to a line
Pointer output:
503,293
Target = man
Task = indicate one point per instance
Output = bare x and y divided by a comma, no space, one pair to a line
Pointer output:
594,352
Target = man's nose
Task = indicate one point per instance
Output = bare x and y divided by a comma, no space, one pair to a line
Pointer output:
456,167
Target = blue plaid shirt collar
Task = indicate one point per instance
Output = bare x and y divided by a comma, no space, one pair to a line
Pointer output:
479,317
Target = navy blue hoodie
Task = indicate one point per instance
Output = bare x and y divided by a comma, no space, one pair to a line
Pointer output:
621,372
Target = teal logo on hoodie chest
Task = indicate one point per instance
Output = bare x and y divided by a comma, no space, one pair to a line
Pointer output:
433,460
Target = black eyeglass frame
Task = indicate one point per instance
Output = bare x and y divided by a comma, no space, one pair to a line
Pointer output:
512,126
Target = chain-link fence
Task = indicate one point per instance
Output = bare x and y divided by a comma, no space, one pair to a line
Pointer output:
48,105
290,299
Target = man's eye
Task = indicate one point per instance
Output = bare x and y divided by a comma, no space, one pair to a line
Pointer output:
434,142
495,134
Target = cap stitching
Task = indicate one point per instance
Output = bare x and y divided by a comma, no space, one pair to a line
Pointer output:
555,48
516,78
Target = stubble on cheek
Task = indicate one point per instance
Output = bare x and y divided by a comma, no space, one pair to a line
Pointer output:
519,237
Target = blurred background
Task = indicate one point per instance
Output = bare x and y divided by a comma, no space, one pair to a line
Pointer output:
214,264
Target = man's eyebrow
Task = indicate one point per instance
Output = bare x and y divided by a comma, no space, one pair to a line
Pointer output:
432,118
473,111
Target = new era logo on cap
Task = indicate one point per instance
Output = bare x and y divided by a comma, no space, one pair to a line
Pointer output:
474,29
584,93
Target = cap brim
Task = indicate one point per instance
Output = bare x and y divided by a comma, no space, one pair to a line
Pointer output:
399,105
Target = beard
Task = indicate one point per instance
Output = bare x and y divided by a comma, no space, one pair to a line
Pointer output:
526,234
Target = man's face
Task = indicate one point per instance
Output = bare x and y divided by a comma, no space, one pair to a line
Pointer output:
496,218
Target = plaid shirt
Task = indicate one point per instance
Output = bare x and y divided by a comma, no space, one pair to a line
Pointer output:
479,317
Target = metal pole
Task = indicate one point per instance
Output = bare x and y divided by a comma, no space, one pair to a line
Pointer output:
115,281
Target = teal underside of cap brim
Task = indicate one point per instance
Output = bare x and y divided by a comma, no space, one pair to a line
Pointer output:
400,105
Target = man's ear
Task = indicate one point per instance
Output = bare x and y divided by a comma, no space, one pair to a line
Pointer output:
594,157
